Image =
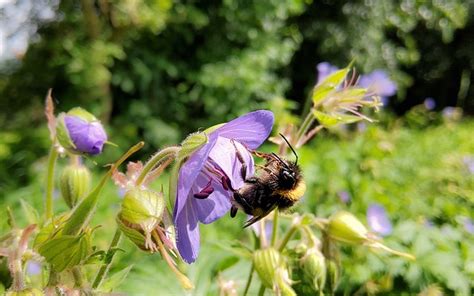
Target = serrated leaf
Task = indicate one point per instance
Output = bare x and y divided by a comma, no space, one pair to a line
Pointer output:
112,282
30,212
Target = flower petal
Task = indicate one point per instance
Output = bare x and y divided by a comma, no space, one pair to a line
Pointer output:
215,205
251,129
378,220
88,137
224,154
189,172
187,234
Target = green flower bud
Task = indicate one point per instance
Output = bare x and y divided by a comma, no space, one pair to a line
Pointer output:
74,183
79,132
345,227
142,211
332,274
266,262
283,283
272,270
144,207
314,267
25,292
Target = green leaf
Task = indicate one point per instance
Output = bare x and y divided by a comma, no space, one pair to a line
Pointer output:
326,119
65,251
112,282
31,214
329,84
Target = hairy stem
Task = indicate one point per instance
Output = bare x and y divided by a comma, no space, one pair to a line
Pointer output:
154,160
53,156
104,269
185,282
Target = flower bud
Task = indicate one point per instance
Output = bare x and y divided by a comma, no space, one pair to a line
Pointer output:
74,183
272,270
332,274
314,268
80,132
142,211
345,227
266,262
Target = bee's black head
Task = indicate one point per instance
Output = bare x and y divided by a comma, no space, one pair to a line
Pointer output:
289,175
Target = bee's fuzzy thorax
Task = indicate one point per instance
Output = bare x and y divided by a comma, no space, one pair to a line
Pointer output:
296,193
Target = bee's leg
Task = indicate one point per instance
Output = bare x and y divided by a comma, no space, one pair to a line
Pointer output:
243,169
233,211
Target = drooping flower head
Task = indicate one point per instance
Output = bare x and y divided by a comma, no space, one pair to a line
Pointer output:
207,178
80,132
378,220
379,84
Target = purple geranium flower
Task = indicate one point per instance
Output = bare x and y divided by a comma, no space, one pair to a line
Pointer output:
378,83
469,225
469,163
33,268
378,220
344,196
325,69
87,137
207,178
429,103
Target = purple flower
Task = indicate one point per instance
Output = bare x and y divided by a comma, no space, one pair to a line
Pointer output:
207,178
378,220
429,103
469,163
88,137
344,196
80,132
379,84
33,268
469,225
325,69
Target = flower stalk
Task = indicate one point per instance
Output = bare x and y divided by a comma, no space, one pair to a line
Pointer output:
104,269
53,156
160,156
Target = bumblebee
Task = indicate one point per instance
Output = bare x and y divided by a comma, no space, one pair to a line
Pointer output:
279,184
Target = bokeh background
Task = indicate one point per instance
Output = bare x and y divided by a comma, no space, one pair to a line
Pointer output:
158,70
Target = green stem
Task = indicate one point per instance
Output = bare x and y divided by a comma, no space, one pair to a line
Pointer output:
154,160
53,156
261,291
104,269
287,237
249,280
78,277
304,127
185,282
275,228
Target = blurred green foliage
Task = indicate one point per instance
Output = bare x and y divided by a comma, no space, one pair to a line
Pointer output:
157,70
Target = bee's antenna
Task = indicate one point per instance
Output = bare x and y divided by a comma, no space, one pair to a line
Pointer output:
280,160
291,147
